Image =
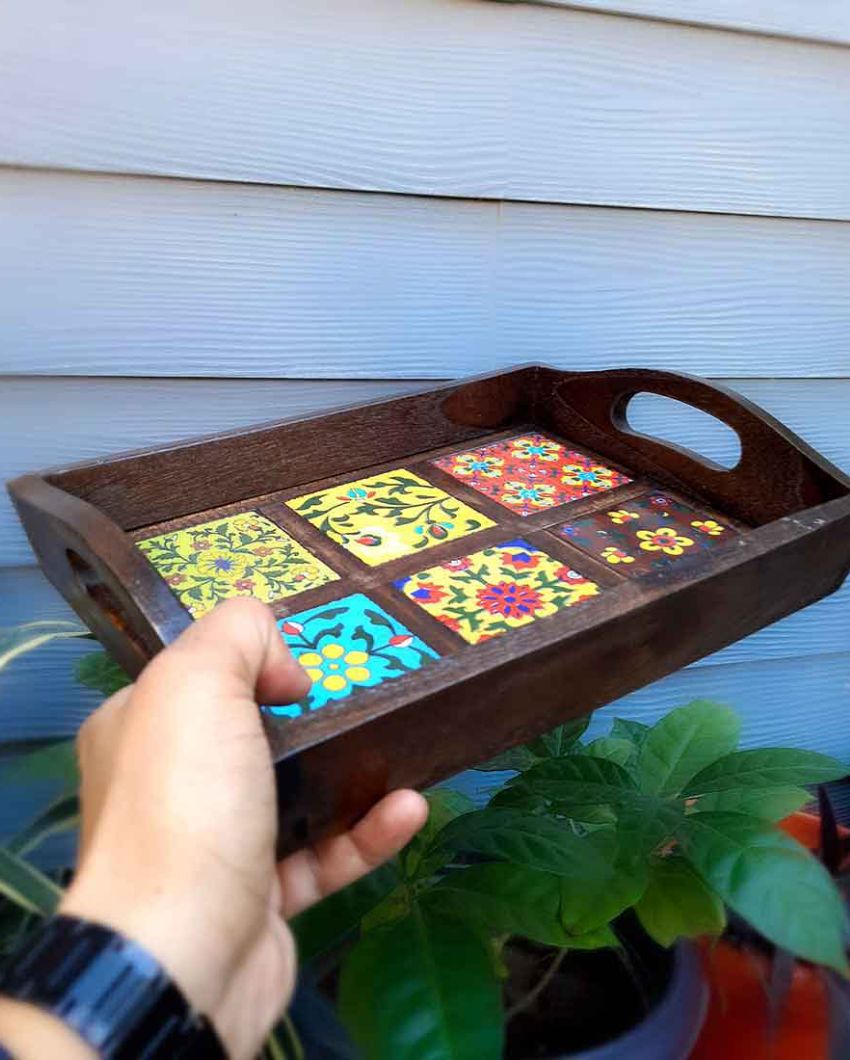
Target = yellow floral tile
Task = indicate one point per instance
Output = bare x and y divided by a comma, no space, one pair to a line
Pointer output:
389,515
497,589
240,555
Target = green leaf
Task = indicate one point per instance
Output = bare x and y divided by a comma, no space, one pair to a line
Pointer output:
24,885
646,824
517,797
524,839
685,741
766,767
560,741
517,758
677,903
771,881
31,635
56,761
767,804
393,907
580,781
587,909
324,925
613,748
423,989
599,939
420,857
635,731
62,816
98,670
503,899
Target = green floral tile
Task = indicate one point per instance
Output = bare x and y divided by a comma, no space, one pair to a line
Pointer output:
388,515
240,555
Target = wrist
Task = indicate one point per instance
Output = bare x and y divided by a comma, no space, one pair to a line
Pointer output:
172,935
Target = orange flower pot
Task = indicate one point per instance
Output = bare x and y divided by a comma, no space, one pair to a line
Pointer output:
739,1024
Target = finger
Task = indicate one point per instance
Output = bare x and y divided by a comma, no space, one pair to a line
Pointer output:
316,872
235,650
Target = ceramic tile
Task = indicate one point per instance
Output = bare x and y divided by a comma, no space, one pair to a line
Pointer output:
388,515
346,646
647,534
240,555
530,473
497,589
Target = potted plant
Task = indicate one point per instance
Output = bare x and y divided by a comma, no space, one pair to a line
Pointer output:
556,920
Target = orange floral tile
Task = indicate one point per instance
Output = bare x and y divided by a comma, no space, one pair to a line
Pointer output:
648,533
531,472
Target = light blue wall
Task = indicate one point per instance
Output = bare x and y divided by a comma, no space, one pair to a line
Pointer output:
212,215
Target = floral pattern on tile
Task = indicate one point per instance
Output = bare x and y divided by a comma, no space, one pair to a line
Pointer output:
348,645
648,533
530,473
490,592
238,555
385,516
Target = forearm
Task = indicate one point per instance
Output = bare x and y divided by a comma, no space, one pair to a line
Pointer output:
28,1033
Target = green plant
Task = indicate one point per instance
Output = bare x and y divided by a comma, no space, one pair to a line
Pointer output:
669,821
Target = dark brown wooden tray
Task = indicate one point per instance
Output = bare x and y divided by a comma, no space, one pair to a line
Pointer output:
459,570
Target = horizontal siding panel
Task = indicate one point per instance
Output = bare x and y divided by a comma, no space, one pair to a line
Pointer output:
437,97
143,277
104,416
826,20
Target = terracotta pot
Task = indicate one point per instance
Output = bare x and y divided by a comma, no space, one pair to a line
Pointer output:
739,1022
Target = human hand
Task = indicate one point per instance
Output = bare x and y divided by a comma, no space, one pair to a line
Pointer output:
179,823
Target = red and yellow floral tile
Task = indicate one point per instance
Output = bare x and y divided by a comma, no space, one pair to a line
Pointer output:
647,534
240,555
346,646
487,593
530,473
385,516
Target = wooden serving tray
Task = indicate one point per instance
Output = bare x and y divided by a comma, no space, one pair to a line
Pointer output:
458,570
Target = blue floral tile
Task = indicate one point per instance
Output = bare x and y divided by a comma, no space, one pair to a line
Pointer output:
347,645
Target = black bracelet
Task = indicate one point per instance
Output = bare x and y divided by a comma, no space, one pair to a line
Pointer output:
110,990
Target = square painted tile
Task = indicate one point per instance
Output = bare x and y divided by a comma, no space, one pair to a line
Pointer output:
239,555
348,645
388,515
647,534
530,472
497,589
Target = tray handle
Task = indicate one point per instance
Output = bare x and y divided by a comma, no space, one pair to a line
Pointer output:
92,562
778,473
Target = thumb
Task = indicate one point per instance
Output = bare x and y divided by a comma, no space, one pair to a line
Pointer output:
234,651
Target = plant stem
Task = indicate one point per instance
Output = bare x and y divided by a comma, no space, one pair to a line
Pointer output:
533,994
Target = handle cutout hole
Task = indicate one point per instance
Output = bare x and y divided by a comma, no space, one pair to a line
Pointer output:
665,419
100,594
